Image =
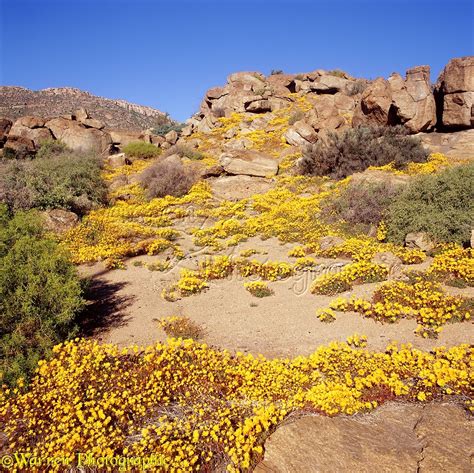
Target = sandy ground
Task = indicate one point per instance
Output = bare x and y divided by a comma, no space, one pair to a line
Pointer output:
128,304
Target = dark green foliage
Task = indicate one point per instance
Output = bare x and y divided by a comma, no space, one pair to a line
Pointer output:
57,178
167,127
356,149
276,72
360,203
40,294
141,150
441,205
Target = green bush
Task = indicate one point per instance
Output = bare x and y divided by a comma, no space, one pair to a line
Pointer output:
161,130
40,295
50,148
58,178
441,205
356,149
141,150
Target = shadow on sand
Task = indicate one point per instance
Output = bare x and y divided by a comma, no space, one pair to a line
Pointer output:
105,309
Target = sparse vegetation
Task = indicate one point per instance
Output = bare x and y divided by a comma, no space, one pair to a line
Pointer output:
40,294
276,72
361,203
180,326
167,178
141,150
357,87
57,178
184,151
441,205
258,288
356,149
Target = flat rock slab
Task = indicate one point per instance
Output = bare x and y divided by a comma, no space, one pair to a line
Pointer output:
397,437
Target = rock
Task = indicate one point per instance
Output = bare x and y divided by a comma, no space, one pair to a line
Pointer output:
375,105
301,134
216,93
124,137
249,162
395,438
157,140
171,137
37,135
459,145
187,130
5,126
455,89
458,110
78,137
213,171
117,160
59,221
239,187
326,115
20,146
92,123
420,241
239,143
328,242
81,114
31,122
472,238
391,261
413,100
246,78
329,84
258,106
457,76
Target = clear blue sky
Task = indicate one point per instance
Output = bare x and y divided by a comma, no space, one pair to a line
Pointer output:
166,54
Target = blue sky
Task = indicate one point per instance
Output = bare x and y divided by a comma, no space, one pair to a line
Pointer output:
166,54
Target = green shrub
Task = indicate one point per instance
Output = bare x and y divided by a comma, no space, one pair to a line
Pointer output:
59,178
363,203
50,148
355,149
441,205
40,295
141,150
276,72
167,127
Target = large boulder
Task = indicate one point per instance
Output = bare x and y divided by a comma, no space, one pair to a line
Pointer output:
420,241
395,438
375,107
19,146
59,221
78,137
301,134
124,137
239,187
5,126
329,84
455,91
249,162
413,100
31,128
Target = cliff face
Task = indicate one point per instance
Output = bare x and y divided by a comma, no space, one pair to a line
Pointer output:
16,102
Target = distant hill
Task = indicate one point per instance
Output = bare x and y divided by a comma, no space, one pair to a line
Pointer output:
16,102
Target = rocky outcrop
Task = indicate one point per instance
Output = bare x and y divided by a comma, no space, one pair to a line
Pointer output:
420,241
455,93
396,438
79,137
250,163
413,99
399,101
16,102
